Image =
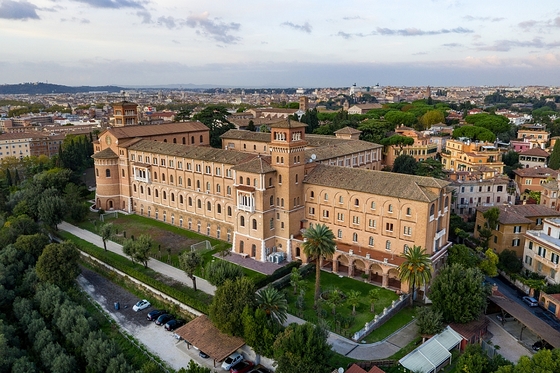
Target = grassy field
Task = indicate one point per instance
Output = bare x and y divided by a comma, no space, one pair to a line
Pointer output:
396,322
344,311
169,240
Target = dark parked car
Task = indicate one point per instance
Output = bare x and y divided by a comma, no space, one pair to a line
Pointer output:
174,324
203,355
153,315
242,367
164,319
539,345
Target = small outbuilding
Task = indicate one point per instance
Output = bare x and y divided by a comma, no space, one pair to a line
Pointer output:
203,335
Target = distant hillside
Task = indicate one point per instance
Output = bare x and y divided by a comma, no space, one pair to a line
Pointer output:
46,88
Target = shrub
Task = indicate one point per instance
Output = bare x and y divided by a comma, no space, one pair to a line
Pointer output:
279,273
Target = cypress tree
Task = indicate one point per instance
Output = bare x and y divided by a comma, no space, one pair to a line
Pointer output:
16,178
9,177
554,160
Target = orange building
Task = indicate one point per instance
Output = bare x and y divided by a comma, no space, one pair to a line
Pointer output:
421,150
466,155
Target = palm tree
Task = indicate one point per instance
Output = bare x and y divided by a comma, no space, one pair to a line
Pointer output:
273,303
373,296
416,268
318,244
353,299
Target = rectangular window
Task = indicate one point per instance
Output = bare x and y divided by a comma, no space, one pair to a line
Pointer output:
515,242
528,260
389,227
311,211
541,252
530,245
517,229
372,223
356,219
340,216
407,231
554,258
325,213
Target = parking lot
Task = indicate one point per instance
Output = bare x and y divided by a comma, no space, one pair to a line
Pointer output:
156,339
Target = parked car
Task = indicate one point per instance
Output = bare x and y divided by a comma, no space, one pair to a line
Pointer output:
203,355
231,360
174,324
505,317
163,319
532,302
539,345
242,367
259,370
153,315
141,305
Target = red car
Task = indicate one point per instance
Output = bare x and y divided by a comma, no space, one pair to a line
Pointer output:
242,367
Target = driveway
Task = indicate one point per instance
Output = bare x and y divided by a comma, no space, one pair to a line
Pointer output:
155,338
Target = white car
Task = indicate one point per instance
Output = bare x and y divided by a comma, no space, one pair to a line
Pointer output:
231,360
141,305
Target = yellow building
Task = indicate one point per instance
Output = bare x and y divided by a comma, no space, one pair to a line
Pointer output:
541,252
421,150
262,203
537,137
466,155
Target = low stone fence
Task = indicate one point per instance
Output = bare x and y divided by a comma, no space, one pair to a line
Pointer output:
382,318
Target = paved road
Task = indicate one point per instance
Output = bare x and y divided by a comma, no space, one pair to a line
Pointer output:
515,295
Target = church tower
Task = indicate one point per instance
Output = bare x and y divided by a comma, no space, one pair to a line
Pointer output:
288,158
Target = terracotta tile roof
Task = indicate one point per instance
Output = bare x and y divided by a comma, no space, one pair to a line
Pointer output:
511,214
347,131
537,152
409,187
154,130
246,135
355,369
260,165
105,154
536,172
471,329
288,124
323,140
206,337
22,135
341,149
194,152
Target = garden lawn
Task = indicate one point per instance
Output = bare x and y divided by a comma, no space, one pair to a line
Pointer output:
346,324
396,322
169,240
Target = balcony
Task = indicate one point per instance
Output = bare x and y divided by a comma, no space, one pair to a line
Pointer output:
246,208
546,262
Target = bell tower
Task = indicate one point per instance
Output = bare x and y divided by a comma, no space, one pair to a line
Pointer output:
288,158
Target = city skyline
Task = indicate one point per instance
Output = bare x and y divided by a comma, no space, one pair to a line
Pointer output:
308,44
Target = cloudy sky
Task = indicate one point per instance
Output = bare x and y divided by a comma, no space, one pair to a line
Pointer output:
304,43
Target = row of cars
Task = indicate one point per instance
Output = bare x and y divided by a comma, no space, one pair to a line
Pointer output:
161,317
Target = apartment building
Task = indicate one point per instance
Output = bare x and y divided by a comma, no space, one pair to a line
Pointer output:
535,157
513,222
262,200
541,252
466,155
472,191
536,136
533,178
21,145
124,114
421,150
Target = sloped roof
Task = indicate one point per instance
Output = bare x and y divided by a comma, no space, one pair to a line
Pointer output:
260,165
340,149
246,135
154,130
536,172
537,152
105,154
409,187
194,152
206,337
288,124
511,214
347,131
427,357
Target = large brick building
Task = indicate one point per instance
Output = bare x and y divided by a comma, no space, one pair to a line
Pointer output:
263,198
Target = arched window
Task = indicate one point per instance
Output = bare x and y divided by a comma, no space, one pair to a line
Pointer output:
242,221
174,140
254,223
198,184
181,201
134,187
192,139
201,139
141,189
229,211
253,250
184,141
356,202
171,178
282,202
312,194
271,200
219,208
180,180
326,197
370,240
122,172
408,211
388,245
172,197
240,179
241,247
199,204
97,172
164,194
190,201
279,179
269,181
149,191
355,237
390,208
208,186
189,182
248,182
218,188
228,190
432,209
208,206
107,173
373,205
446,201
162,177
156,192
155,175
296,178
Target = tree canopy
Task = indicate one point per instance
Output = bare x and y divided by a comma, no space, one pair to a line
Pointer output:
215,118
405,164
229,301
58,264
318,244
474,133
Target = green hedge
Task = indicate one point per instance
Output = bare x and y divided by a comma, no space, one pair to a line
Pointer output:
279,273
285,281
186,295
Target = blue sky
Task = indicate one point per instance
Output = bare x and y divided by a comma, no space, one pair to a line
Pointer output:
280,43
